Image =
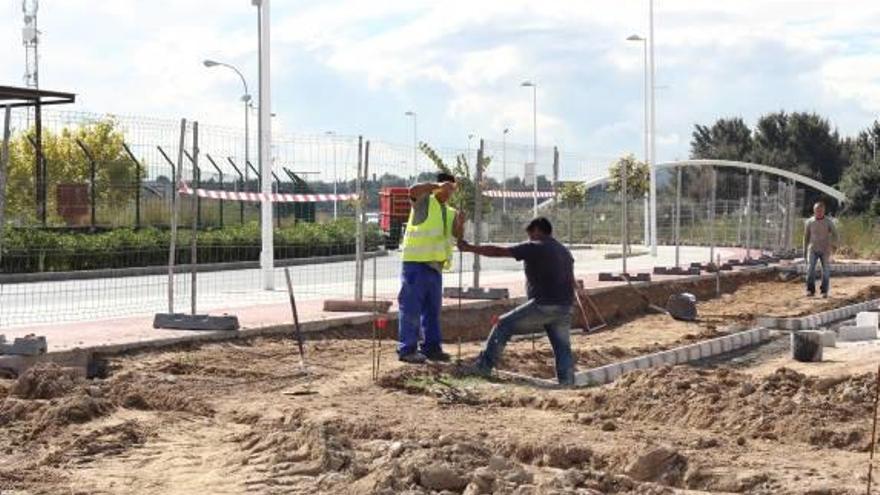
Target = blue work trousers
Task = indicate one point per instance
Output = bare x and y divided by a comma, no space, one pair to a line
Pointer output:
554,319
420,299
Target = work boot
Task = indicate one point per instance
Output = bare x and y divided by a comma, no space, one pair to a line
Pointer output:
810,293
438,356
474,369
824,295
414,357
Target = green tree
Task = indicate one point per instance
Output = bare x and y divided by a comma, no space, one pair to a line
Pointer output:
638,176
572,196
464,198
726,139
116,173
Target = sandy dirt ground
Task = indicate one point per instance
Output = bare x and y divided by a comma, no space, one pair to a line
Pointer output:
242,417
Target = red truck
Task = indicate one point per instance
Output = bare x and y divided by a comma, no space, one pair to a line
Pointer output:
394,206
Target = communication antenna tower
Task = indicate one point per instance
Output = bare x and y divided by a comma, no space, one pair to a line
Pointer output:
30,37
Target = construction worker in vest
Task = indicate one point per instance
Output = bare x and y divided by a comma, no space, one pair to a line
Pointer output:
427,251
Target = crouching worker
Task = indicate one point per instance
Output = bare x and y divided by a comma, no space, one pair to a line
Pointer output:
549,269
426,252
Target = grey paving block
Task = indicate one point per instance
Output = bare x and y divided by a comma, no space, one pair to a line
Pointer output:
851,334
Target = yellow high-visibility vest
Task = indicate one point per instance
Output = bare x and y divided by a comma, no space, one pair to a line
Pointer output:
431,240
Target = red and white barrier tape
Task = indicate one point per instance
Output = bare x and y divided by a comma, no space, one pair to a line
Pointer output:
518,194
258,197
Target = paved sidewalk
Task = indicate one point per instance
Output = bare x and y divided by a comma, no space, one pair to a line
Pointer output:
137,332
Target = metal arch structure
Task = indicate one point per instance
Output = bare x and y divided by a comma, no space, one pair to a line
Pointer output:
756,167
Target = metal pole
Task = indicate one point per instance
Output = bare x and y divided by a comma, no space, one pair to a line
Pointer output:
175,202
137,191
624,172
194,233
415,143
792,205
712,197
535,144
267,257
335,181
93,189
240,187
247,133
749,216
478,211
40,164
504,170
222,188
647,240
359,226
653,141
4,162
677,231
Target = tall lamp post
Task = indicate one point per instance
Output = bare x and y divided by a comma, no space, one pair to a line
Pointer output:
534,86
652,157
644,43
415,118
246,99
335,178
267,255
504,169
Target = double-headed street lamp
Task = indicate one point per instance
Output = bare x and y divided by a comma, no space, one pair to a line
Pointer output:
246,98
534,86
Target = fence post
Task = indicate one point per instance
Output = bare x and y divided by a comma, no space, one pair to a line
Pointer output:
172,245
4,162
239,188
749,216
624,232
137,191
478,211
712,198
222,188
193,242
276,206
358,245
677,225
792,206
93,198
555,176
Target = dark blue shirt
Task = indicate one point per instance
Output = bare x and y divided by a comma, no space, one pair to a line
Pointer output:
549,275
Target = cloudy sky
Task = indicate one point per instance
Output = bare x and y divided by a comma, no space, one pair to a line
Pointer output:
355,66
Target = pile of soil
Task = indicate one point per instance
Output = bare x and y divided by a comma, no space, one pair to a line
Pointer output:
785,406
44,381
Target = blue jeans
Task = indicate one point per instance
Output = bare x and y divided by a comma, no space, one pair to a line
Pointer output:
811,272
420,298
556,320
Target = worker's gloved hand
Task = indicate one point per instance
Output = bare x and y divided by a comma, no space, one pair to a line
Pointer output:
463,245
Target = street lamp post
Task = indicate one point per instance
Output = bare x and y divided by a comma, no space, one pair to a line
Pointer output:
504,170
652,157
246,98
415,118
534,86
335,179
267,256
644,43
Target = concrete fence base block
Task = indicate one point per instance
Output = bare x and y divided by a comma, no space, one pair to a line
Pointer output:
352,306
851,334
828,337
868,319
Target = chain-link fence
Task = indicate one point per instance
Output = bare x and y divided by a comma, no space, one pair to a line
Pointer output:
99,245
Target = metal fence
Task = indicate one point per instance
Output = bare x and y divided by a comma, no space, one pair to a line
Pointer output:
122,174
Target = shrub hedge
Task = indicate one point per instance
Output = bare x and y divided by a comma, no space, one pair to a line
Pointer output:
36,250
